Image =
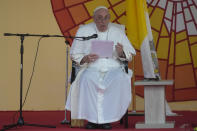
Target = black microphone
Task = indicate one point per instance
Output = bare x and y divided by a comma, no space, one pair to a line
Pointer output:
11,34
91,37
7,34
94,36
39,35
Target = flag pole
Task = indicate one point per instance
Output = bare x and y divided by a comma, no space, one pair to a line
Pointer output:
134,110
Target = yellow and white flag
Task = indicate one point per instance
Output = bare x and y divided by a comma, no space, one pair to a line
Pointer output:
140,34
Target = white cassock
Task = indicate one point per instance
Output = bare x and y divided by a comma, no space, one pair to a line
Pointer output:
101,92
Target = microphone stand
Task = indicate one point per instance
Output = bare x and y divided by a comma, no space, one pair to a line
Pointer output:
65,121
37,35
21,121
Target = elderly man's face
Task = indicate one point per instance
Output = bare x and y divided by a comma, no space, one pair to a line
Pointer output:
101,18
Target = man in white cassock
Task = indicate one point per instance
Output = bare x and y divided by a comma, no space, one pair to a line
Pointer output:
101,92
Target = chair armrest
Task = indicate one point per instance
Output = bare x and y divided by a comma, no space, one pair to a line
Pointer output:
125,63
75,69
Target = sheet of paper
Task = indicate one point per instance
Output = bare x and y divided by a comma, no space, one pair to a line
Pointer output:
102,48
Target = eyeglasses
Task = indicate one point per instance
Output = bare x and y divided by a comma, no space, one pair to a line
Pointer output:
100,18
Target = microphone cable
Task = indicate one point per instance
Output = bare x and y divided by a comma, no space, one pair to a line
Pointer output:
33,70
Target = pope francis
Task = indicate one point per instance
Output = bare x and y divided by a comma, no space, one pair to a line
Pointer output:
101,92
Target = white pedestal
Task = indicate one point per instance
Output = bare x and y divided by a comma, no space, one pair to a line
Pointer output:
154,99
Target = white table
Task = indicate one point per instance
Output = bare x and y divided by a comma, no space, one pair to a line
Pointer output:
154,99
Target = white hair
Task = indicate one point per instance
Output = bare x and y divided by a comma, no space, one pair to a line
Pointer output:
99,7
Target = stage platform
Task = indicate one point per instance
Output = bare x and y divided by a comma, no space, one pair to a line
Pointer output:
184,122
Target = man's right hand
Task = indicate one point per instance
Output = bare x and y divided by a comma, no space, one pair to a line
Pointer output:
89,58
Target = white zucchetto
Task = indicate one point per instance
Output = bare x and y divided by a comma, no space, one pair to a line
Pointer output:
99,7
